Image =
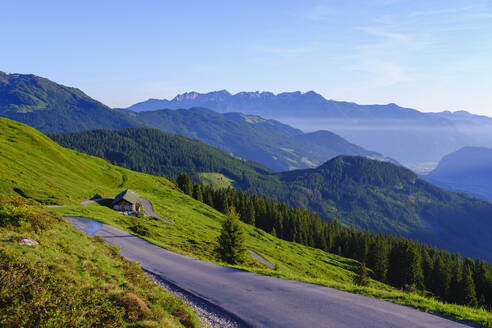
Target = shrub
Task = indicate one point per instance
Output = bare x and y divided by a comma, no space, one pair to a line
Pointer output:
135,307
26,214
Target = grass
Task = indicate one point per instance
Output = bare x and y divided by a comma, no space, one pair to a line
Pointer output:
217,180
34,166
71,279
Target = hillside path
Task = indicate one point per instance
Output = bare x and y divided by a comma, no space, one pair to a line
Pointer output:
261,301
149,210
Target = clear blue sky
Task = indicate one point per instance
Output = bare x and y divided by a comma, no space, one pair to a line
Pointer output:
430,55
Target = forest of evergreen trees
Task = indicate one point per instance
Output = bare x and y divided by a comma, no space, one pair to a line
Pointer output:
357,191
398,261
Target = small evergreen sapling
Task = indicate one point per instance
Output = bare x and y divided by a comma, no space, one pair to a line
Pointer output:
231,240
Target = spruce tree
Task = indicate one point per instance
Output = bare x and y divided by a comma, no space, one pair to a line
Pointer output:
378,260
184,183
468,287
455,293
250,214
231,240
197,192
440,277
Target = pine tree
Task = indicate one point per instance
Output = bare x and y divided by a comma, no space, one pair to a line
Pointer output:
440,277
427,268
361,279
468,287
184,183
378,260
197,192
455,293
231,240
397,265
415,276
250,214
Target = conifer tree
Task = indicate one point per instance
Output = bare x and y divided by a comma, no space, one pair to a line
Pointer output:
455,293
197,192
361,278
184,183
378,259
468,287
231,240
440,277
427,268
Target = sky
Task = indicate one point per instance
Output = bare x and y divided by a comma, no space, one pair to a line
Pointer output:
429,55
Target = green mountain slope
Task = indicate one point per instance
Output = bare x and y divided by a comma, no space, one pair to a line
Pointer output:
34,166
367,194
155,152
49,106
384,197
71,279
271,143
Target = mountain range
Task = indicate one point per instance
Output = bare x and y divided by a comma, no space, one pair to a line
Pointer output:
269,142
357,191
51,107
408,135
466,170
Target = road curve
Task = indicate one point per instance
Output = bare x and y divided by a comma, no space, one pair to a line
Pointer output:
261,301
149,210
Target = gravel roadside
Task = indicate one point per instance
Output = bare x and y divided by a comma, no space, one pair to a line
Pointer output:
209,314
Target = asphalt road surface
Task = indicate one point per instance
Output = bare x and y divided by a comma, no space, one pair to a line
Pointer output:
261,301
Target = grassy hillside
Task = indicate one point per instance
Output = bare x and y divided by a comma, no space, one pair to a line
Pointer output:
34,166
364,193
49,106
73,280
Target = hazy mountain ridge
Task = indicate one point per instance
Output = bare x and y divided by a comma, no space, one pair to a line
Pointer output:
269,142
408,135
467,170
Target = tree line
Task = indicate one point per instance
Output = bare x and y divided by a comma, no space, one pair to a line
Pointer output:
394,260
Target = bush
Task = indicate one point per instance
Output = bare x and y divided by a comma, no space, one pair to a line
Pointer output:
26,214
135,307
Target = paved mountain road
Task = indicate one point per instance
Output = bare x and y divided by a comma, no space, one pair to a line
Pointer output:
261,301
